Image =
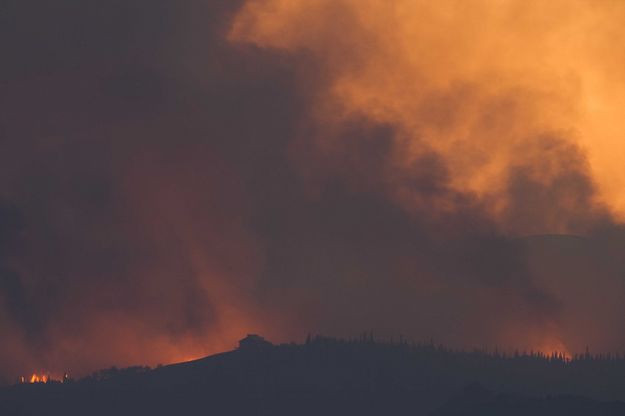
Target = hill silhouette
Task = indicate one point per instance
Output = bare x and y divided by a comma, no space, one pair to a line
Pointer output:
340,377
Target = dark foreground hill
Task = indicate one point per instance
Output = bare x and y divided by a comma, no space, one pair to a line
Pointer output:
333,377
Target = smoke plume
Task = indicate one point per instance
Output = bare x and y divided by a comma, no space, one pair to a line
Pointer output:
173,176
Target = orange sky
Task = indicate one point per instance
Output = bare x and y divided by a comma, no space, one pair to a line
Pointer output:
487,84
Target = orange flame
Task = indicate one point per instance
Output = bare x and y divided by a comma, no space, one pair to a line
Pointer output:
39,378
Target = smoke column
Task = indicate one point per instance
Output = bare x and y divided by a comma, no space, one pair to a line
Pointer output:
173,176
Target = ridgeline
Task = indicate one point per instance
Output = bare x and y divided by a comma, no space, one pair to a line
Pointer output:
328,376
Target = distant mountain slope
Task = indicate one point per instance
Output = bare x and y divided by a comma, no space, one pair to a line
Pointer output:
333,377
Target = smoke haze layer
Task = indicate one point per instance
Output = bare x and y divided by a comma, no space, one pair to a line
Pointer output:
173,176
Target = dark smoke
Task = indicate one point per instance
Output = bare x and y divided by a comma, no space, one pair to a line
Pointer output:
154,177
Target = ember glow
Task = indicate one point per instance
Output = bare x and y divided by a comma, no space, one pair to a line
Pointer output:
172,178
555,348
